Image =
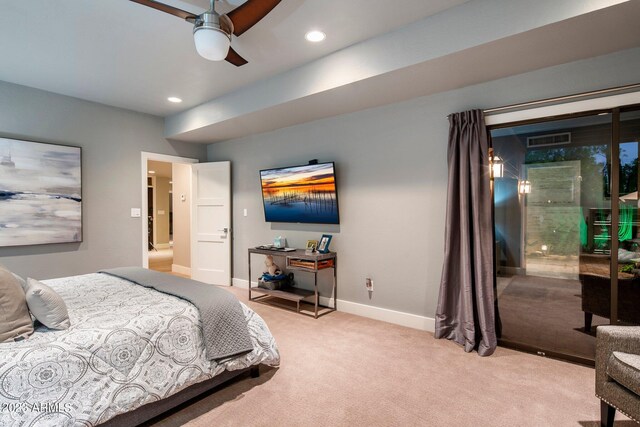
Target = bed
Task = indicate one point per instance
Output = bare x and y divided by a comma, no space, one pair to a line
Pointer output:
129,348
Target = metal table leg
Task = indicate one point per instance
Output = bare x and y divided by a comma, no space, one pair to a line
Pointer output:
315,287
335,284
249,256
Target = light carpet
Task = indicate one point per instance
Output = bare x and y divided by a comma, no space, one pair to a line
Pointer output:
346,370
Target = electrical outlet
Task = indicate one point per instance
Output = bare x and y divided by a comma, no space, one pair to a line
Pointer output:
369,284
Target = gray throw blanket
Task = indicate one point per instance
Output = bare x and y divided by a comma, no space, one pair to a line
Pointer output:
224,326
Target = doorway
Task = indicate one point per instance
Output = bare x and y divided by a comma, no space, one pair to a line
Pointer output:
166,234
567,230
160,216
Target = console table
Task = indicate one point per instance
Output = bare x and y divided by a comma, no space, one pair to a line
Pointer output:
298,260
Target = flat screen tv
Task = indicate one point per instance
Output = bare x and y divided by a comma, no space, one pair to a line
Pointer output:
300,194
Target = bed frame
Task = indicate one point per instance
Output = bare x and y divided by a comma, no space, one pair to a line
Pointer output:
154,409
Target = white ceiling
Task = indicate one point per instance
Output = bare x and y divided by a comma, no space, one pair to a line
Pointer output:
123,54
377,52
479,41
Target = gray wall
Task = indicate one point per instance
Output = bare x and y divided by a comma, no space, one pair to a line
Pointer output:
391,170
111,141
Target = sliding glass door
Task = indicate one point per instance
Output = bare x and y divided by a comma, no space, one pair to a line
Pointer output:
626,293
566,217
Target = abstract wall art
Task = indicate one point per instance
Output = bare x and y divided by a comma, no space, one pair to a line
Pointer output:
40,193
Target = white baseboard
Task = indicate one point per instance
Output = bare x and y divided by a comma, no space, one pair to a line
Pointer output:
241,283
181,269
397,317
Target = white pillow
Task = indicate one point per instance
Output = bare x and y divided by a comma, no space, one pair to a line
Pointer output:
46,305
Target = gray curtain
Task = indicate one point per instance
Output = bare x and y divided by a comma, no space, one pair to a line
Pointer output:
466,306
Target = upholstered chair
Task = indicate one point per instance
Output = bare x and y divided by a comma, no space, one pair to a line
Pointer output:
618,372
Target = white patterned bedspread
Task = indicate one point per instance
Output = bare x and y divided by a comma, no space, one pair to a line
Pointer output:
127,346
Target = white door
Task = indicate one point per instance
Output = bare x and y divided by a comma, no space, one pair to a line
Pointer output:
211,223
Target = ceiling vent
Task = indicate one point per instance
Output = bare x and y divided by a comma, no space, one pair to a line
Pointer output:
549,139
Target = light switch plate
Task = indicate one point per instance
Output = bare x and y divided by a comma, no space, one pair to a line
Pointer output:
135,213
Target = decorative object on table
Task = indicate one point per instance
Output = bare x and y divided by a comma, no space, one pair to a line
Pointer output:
274,278
272,267
311,247
275,283
280,242
40,193
323,246
300,194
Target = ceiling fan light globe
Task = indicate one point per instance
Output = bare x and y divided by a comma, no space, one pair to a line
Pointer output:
212,43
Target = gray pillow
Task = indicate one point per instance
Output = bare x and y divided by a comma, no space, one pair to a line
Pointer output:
15,321
22,282
46,305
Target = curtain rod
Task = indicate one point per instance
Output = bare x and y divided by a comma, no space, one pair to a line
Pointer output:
563,98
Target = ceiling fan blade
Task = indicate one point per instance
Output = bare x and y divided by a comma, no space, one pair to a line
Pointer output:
234,58
167,9
249,14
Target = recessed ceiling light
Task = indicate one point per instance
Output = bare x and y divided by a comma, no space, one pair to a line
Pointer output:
315,36
174,99
152,171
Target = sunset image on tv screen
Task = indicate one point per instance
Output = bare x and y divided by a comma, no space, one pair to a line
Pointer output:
300,194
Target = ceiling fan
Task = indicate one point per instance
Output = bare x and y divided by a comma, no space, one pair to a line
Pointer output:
212,31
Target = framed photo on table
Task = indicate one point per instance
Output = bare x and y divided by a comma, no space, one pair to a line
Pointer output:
312,245
323,246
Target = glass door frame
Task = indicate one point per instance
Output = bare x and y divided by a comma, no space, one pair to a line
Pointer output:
615,217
